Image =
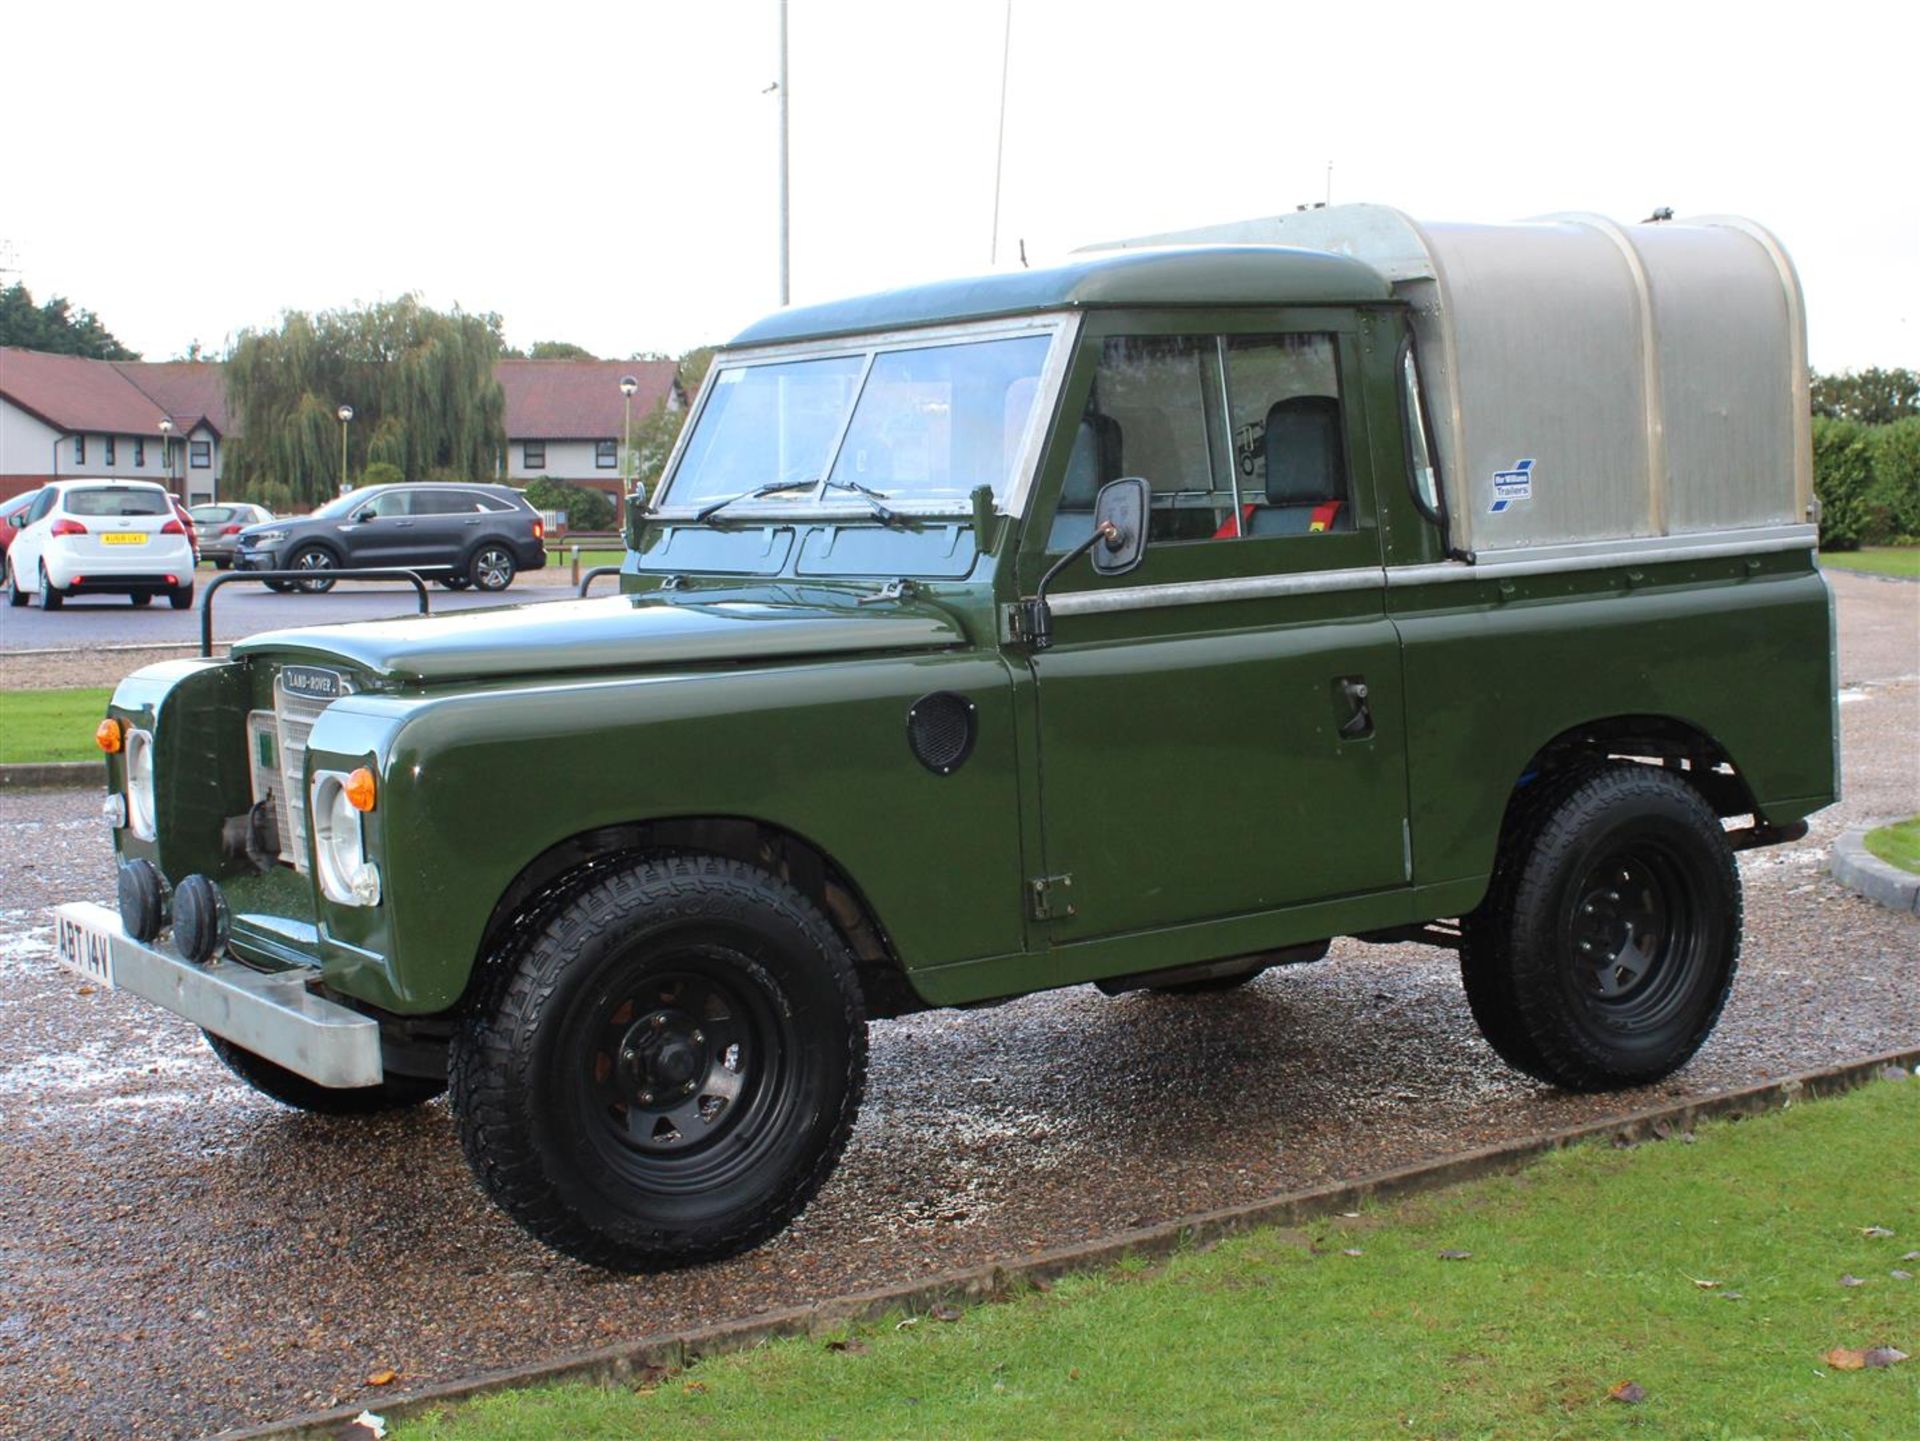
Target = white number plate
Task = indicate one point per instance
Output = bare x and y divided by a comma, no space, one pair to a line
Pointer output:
83,949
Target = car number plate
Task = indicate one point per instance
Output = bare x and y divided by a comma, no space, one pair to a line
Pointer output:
123,537
83,949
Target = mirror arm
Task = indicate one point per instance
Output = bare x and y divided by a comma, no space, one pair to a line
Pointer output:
1038,615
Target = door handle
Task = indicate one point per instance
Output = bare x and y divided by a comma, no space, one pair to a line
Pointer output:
474,521
1359,722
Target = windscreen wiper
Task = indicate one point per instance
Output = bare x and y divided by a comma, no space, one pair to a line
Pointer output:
873,498
772,487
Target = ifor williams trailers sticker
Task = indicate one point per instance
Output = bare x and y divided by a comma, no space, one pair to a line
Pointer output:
1511,485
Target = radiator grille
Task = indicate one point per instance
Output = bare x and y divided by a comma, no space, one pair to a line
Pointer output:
277,743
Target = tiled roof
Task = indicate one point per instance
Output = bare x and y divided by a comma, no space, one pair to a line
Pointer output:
188,390
71,393
577,399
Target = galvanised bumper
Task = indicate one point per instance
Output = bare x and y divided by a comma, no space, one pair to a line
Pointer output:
271,1014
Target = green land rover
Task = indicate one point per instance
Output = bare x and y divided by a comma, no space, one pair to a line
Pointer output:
1147,620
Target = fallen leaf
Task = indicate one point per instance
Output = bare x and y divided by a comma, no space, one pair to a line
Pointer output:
910,1321
1073,1373
1911,1256
1877,1232
1901,1275
385,1376
1349,1215
1731,1296
1851,1281
1704,1285
1353,1251
695,1388
1881,1357
1846,1358
853,1345
944,1312
1456,1255
1628,1393
1662,1129
88,991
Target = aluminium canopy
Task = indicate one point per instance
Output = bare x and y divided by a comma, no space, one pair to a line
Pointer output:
1653,375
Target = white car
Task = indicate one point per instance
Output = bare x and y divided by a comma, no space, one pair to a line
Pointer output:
95,537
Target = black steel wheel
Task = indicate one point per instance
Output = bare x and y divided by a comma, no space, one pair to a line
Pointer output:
667,1064
48,598
290,1088
491,567
316,560
1608,940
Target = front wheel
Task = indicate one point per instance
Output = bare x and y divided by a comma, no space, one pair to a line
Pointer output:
315,561
1608,940
290,1088
666,1067
491,568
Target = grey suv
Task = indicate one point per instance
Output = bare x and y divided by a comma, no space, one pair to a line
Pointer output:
478,535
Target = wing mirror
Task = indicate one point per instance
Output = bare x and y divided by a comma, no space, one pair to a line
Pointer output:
363,515
636,515
1118,542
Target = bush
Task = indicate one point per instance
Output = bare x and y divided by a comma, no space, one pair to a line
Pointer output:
1842,475
1892,502
382,473
586,508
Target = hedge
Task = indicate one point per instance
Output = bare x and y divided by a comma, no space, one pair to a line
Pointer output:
1868,480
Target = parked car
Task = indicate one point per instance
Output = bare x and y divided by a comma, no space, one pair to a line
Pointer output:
185,517
95,537
1147,620
13,514
462,535
220,525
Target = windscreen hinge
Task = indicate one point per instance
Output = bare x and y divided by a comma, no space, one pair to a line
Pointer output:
1049,897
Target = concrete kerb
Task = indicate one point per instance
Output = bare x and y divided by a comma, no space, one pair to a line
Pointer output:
46,775
626,1362
1859,869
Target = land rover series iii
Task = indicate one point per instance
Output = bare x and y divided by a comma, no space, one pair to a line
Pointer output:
1146,620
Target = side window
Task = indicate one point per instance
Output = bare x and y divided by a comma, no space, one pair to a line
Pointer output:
42,505
1152,412
1422,473
392,503
1289,437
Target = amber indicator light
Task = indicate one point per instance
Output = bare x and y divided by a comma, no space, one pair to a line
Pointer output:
107,736
360,789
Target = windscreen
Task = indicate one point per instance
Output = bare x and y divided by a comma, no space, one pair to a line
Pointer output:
117,500
905,423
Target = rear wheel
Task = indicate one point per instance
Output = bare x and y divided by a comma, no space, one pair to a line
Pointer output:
48,598
666,1067
182,598
316,561
15,595
491,568
292,1089
1608,940
455,582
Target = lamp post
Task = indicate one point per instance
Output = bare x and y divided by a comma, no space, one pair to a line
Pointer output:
345,413
627,387
166,448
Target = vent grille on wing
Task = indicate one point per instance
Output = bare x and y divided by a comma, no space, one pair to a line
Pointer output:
940,731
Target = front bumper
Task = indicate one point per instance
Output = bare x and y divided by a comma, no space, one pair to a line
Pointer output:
271,1014
256,559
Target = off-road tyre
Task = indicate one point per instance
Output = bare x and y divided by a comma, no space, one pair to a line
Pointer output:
395,1093
582,1089
1607,943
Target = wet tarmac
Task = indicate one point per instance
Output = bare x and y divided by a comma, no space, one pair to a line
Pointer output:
180,1255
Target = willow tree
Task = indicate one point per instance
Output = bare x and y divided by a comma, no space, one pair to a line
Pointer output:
420,382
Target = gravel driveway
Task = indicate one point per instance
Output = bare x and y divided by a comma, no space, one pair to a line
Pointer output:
181,1255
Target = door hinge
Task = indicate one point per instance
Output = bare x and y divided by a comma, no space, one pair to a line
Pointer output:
1049,898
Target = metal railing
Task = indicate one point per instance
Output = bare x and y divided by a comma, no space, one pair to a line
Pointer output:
362,573
591,576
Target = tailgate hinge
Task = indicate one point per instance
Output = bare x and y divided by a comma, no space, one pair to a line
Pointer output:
1049,897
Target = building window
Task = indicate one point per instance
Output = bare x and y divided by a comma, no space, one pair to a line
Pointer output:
139,451
535,456
606,454
106,445
200,454
79,450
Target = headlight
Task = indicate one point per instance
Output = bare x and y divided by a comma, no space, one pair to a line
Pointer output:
266,537
347,877
140,809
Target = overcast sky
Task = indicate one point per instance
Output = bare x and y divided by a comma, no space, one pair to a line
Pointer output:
607,174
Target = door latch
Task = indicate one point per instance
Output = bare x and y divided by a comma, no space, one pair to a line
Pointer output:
1359,722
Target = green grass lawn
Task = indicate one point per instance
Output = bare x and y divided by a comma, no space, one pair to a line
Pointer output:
50,725
1708,1275
1901,560
1898,844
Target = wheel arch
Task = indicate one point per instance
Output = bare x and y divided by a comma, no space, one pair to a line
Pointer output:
322,542
567,864
1666,741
